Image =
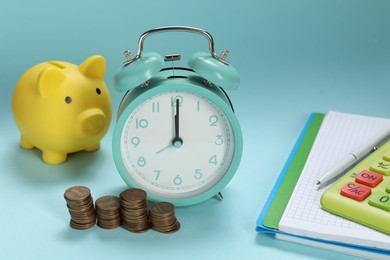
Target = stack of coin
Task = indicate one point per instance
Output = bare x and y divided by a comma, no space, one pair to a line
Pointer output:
134,210
108,212
162,217
80,205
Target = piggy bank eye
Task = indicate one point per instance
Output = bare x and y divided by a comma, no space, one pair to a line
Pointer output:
98,91
68,100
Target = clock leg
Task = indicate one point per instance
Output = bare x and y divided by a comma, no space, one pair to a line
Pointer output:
219,196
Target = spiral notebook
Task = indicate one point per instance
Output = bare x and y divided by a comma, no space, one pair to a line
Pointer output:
293,211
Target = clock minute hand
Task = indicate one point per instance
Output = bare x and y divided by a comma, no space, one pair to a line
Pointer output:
177,141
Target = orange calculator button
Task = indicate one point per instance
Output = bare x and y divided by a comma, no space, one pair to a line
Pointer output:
368,178
355,191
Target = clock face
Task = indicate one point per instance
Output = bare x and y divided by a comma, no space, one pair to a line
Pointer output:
177,144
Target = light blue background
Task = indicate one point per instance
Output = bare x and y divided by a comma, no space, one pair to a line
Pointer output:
294,57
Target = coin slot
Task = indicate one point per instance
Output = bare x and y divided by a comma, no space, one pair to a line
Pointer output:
57,64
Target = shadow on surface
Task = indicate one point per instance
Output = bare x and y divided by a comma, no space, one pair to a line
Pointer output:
29,166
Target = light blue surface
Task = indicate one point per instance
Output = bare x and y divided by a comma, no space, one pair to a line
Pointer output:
293,57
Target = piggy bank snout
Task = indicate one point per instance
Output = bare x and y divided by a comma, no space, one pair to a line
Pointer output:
92,122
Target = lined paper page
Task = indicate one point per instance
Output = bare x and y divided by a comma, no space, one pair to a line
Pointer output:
339,135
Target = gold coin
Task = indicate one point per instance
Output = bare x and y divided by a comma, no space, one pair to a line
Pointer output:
108,212
133,195
161,208
80,206
162,217
107,203
77,193
168,230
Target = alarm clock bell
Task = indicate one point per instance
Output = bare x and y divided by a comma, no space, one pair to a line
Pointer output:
139,69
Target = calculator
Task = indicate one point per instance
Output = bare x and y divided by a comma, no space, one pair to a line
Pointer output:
362,194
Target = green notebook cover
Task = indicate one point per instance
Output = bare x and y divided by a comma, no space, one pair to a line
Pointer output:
281,193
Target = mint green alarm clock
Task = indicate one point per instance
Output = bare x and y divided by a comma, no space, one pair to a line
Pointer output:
176,135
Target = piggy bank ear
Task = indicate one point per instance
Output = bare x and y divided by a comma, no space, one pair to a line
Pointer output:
49,78
94,67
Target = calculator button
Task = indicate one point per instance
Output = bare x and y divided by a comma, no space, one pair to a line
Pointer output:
388,188
368,178
355,191
381,200
386,156
381,166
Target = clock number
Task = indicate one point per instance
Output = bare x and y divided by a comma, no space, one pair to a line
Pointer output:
141,161
177,180
219,140
135,141
173,100
213,160
213,120
198,106
157,174
156,107
141,123
198,174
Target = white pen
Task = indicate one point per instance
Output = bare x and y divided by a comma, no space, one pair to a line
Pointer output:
354,157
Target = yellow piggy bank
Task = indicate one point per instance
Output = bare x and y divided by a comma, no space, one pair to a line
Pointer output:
61,108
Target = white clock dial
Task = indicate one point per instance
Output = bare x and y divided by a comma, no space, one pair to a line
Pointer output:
167,166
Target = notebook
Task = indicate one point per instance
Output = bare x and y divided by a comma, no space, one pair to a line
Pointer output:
295,213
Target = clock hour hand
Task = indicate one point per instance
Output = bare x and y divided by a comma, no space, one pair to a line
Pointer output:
177,141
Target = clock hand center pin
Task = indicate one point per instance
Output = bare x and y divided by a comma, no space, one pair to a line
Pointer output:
177,141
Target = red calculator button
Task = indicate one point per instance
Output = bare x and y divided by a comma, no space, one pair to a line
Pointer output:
355,191
368,178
